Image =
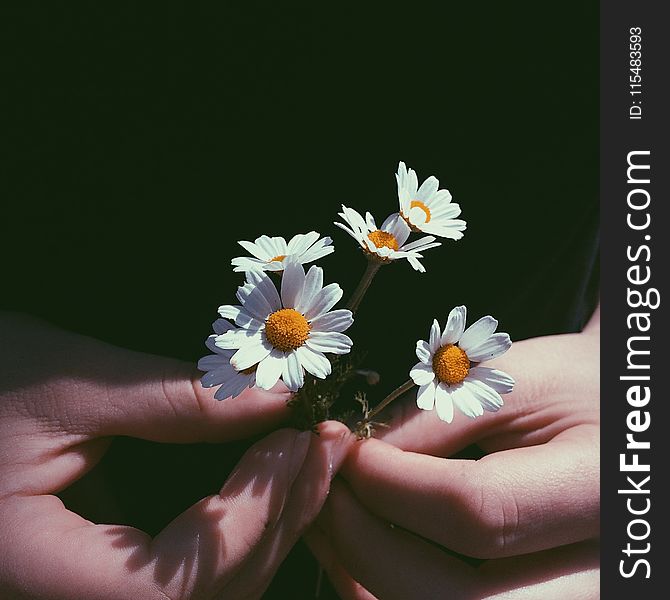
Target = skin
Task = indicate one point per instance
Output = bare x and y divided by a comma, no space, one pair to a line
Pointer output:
529,507
62,399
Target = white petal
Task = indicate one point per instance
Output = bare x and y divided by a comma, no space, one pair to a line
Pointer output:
280,246
319,250
240,316
399,229
500,381
404,200
412,183
467,402
370,222
439,202
267,246
450,228
323,301
441,209
423,352
210,342
487,397
301,242
434,340
270,369
478,333
221,326
389,222
314,362
243,264
213,361
453,330
237,338
427,189
234,386
292,282
421,374
354,219
416,265
494,346
351,232
255,250
267,288
444,405
217,376
333,342
424,241
250,354
293,374
425,397
335,320
312,286
253,301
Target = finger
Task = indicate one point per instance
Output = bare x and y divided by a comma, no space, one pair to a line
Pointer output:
385,560
161,399
507,503
392,563
345,585
98,389
69,557
540,407
310,489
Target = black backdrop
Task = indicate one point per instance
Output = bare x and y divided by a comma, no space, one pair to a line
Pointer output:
141,141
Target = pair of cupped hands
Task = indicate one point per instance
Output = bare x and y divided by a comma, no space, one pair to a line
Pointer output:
387,518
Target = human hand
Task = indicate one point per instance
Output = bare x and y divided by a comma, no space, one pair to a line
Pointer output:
62,398
530,506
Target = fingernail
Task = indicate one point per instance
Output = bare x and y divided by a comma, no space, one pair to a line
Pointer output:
337,452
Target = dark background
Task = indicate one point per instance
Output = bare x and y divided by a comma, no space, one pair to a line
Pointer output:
141,141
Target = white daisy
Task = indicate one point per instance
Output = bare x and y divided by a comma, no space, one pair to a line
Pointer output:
385,242
427,208
283,336
269,253
447,374
218,370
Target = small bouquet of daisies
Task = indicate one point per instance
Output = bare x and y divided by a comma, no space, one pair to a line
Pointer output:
286,327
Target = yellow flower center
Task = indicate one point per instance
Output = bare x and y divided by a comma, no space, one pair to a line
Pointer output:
286,329
451,364
280,258
422,206
383,239
250,370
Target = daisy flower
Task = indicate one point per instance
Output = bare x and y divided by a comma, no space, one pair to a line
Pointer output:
283,334
427,208
448,374
386,243
218,370
269,253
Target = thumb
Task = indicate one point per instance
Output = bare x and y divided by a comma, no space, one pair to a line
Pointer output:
92,388
162,399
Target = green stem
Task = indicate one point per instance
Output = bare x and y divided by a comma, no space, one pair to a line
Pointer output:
405,387
364,284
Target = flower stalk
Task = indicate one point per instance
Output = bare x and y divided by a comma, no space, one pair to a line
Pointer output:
399,391
370,271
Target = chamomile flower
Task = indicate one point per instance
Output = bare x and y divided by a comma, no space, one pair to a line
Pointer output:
385,243
270,253
427,208
283,334
448,375
218,370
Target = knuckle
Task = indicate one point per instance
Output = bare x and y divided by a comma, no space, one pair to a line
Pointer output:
491,517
